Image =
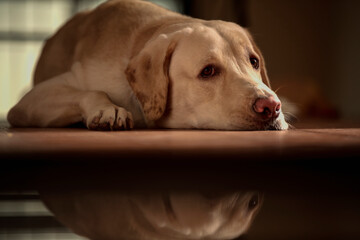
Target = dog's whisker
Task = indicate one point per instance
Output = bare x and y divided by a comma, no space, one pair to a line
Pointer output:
291,126
290,117
290,114
280,87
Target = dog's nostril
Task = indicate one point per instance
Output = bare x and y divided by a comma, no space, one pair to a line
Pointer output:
278,107
266,111
267,107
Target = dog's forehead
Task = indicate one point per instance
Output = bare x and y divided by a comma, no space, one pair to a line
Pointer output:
231,32
201,44
236,36
217,38
204,36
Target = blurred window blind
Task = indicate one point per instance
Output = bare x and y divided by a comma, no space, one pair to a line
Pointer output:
24,25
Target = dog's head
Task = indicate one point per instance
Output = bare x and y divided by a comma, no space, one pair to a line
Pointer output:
207,74
199,215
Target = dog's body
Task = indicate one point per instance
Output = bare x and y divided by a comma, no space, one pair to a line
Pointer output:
108,215
132,63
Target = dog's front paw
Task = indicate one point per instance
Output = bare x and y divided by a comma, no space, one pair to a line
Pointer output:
110,118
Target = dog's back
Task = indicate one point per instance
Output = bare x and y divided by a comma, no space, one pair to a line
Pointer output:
90,30
58,51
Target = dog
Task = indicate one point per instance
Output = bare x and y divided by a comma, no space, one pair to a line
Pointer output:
130,63
110,215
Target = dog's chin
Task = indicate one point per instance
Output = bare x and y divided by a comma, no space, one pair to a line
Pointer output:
275,125
234,123
252,125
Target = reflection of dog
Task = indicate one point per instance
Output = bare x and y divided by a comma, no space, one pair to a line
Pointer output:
113,216
132,63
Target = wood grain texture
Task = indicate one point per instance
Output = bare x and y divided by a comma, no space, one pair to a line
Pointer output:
309,175
309,158
60,141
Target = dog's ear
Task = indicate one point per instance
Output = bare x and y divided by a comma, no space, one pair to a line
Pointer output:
148,75
263,72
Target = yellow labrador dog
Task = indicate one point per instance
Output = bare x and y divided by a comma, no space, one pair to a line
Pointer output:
156,216
133,64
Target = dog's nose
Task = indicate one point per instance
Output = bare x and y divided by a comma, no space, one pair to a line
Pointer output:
267,107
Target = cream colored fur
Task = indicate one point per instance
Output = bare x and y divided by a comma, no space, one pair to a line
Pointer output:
132,64
108,215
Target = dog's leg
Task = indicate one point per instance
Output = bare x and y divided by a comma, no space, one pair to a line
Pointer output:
56,103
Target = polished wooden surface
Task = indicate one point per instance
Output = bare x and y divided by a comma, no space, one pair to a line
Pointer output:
223,158
309,175
53,141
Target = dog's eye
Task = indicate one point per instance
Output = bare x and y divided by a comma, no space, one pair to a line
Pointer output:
208,71
254,201
254,62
